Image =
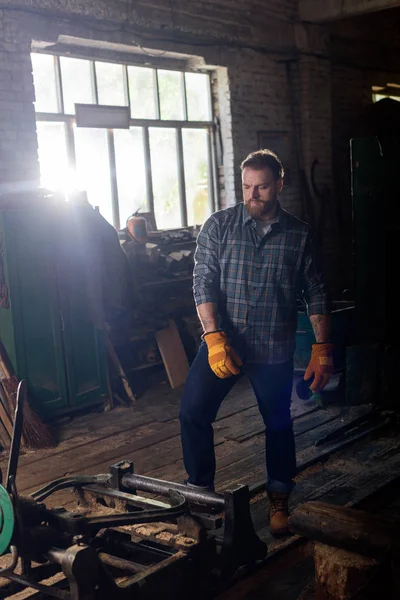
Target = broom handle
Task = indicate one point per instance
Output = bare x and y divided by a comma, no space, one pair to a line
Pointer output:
120,371
4,363
16,437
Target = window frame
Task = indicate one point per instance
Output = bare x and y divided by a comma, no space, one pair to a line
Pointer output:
145,125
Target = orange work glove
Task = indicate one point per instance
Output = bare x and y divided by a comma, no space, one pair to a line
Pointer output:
222,358
320,366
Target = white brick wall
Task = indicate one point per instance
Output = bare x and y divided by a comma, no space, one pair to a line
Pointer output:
18,144
259,97
252,85
250,82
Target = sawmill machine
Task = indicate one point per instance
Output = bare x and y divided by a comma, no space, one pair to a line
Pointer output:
172,539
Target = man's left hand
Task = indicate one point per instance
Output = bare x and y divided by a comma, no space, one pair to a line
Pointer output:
320,366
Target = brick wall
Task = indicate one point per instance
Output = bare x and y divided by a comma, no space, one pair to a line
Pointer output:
316,128
244,20
248,42
221,33
252,97
18,145
260,103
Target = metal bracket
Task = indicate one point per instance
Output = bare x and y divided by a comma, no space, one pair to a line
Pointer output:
241,545
117,472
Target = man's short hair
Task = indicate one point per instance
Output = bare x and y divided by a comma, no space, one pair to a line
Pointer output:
262,159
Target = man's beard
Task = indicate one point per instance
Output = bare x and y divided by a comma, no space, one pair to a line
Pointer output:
258,209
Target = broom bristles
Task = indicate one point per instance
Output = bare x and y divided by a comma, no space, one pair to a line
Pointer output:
36,434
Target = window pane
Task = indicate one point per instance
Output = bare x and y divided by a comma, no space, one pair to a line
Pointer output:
377,97
110,84
53,158
171,95
131,172
44,78
164,170
93,168
198,96
142,93
76,83
195,154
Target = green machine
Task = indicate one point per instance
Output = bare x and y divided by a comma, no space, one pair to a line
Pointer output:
375,159
370,190
48,325
373,360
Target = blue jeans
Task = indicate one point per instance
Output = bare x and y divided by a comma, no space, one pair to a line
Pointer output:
202,397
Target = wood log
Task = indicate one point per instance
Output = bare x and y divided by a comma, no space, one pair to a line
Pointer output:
346,528
344,575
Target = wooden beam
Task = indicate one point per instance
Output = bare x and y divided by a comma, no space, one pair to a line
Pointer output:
173,354
315,11
345,528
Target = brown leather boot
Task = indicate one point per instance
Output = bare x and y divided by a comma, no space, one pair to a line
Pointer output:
278,513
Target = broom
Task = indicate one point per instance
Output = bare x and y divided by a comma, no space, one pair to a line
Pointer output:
35,433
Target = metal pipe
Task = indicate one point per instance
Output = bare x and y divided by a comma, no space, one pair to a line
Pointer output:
181,177
68,482
121,563
131,481
46,589
16,435
14,560
56,555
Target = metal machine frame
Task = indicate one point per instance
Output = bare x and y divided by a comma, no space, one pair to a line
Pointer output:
104,556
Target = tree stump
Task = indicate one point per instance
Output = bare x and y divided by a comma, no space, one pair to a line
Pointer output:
341,575
352,550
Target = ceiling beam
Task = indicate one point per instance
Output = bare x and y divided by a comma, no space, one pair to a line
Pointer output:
316,11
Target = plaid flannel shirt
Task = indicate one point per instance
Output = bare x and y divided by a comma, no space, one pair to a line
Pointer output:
256,281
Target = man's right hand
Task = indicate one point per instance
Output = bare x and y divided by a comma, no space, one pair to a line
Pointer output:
222,358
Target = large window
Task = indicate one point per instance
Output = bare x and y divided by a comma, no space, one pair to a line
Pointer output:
162,163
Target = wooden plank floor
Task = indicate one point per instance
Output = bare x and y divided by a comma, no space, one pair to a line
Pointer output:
148,433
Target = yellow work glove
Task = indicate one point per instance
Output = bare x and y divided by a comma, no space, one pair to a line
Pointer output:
320,366
222,358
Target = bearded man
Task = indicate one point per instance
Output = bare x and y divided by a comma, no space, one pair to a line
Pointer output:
252,263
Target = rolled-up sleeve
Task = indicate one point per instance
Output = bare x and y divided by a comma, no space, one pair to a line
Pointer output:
313,287
206,273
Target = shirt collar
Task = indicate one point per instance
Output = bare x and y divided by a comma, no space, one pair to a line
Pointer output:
280,216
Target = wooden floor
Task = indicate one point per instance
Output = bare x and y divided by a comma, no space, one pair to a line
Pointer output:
148,433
